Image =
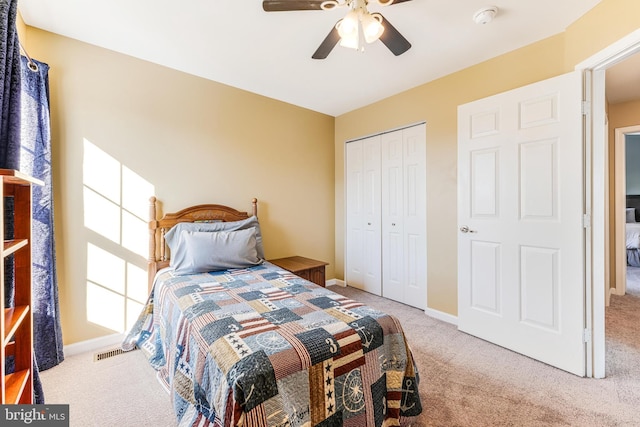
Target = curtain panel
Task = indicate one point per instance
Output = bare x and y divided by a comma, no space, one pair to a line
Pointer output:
10,83
35,160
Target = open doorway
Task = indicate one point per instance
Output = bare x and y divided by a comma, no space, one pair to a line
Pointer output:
626,212
598,206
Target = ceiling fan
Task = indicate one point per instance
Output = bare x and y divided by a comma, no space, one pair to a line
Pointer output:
357,24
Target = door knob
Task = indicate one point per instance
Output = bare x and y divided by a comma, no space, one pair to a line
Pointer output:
466,229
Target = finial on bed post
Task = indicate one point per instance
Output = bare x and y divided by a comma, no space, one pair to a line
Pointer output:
254,207
152,229
153,225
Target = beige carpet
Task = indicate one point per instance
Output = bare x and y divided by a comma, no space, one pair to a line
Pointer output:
464,381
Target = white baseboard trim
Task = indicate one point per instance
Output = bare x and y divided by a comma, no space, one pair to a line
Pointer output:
336,282
115,339
440,315
92,344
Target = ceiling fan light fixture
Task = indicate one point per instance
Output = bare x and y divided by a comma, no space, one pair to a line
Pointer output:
348,26
352,41
372,27
349,34
328,4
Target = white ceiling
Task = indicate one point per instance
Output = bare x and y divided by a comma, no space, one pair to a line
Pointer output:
236,43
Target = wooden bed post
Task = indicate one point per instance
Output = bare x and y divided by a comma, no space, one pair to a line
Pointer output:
153,225
254,207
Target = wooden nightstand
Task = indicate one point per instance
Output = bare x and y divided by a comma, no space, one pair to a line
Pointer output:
307,268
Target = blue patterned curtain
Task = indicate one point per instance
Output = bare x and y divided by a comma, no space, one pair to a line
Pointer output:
9,86
10,138
35,160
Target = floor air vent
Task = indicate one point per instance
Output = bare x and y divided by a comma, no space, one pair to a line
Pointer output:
108,353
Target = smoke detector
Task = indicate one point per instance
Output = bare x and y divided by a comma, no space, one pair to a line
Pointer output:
485,15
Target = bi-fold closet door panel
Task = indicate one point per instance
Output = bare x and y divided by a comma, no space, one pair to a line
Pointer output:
386,215
363,245
404,242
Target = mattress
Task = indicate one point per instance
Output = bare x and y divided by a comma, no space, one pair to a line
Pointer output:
633,235
261,346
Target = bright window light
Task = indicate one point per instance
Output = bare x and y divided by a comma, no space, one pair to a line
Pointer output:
137,288
105,308
101,215
116,205
135,234
136,192
101,172
105,269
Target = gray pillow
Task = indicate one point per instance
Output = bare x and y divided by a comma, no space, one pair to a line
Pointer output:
172,236
202,251
631,214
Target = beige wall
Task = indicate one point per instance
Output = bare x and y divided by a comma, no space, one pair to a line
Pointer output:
195,141
436,103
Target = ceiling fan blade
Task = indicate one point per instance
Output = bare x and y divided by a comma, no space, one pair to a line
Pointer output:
398,1
327,44
393,39
286,5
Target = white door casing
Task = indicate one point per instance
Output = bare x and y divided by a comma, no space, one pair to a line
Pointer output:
596,147
520,193
620,210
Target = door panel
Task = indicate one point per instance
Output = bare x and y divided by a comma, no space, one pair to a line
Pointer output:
485,282
355,215
520,195
392,216
404,216
539,287
415,216
363,247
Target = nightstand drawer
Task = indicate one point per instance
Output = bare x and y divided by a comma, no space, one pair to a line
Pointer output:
307,268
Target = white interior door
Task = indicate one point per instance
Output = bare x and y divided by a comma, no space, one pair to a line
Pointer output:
520,212
363,246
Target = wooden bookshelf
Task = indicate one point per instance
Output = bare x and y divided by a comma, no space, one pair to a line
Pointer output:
16,323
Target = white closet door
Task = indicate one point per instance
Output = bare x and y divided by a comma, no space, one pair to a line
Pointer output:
363,244
415,216
404,243
392,216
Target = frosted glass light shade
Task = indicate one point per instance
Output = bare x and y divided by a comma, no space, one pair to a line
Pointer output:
372,27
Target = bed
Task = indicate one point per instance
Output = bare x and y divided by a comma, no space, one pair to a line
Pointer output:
632,229
238,341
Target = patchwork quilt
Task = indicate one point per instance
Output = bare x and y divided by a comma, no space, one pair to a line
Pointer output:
263,347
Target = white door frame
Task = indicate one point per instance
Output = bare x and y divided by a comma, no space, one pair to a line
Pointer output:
596,184
620,205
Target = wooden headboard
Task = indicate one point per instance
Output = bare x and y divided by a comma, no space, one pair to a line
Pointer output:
633,201
158,254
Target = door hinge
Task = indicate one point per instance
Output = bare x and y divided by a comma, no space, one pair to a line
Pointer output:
586,220
586,335
586,108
